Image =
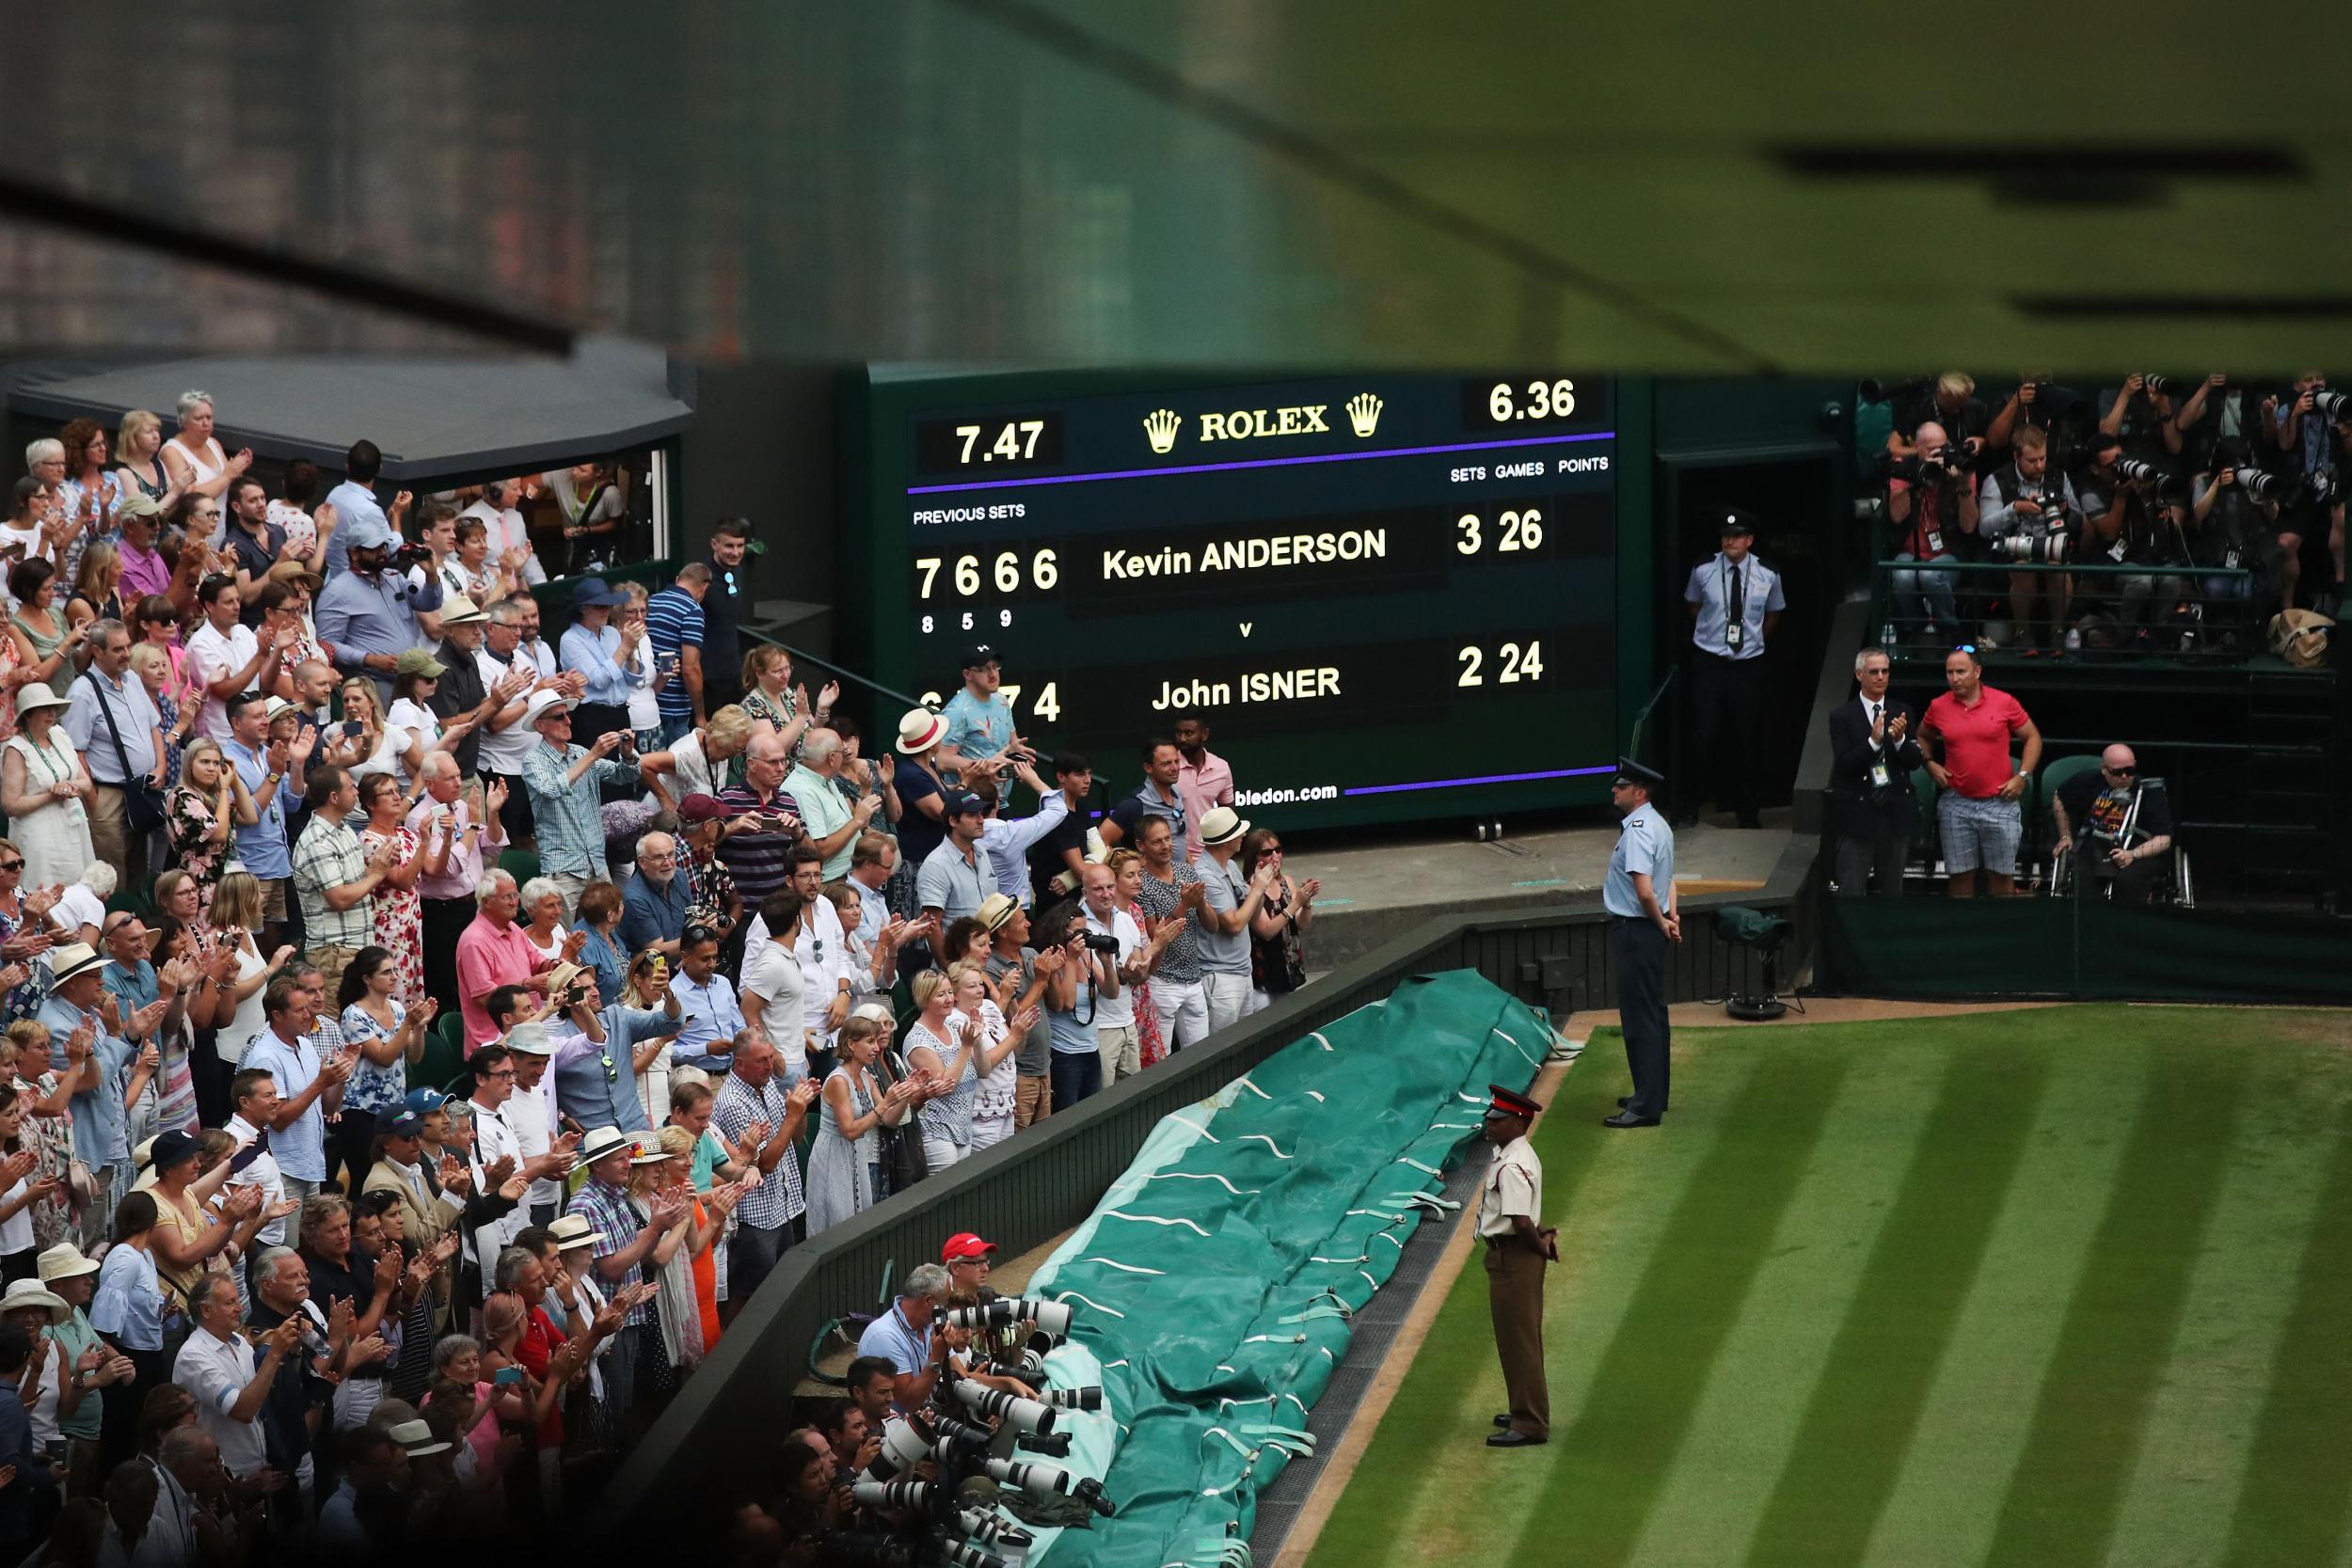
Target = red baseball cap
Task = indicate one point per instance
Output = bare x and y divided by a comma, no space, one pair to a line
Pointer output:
963,1246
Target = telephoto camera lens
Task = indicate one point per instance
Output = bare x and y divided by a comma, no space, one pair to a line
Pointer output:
1044,1481
903,1444
995,1404
1050,1317
895,1493
950,1433
962,1555
2132,468
2260,487
2161,386
1047,1446
2335,407
1088,1397
989,1529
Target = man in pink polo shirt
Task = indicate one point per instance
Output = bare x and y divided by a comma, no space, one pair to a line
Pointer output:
1967,732
495,951
1202,780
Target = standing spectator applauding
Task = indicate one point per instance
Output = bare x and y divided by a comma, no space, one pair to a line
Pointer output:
1736,604
979,718
674,623
1231,903
1278,958
1873,754
602,655
115,726
1966,732
564,781
954,879
335,878
1205,780
764,1120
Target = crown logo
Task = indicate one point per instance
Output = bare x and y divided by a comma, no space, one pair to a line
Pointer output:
1363,413
1161,425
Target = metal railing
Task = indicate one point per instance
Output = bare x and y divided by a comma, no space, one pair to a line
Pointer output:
2100,610
716,1437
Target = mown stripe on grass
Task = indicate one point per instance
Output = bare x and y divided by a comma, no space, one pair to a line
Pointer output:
2068,1482
1609,1193
1865,1406
1607,1466
1747,1416
2197,1441
2292,1509
1947,1493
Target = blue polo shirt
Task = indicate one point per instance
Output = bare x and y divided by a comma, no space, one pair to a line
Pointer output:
98,1114
898,1341
263,848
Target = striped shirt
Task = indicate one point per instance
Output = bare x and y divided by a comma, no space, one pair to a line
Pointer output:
673,619
1181,963
757,860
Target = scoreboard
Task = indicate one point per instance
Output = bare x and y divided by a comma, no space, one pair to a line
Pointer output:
1391,595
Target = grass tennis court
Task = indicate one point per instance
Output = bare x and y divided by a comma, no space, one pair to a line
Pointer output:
2069,1286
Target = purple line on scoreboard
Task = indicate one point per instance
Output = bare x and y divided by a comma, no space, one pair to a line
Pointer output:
1484,779
1264,463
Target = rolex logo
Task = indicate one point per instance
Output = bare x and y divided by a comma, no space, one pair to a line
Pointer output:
1161,425
1363,413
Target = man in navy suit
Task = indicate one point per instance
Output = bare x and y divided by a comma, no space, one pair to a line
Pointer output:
1874,752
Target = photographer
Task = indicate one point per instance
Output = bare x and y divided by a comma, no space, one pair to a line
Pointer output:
2221,409
1950,403
2229,530
2029,513
1932,505
2315,450
2141,417
2144,527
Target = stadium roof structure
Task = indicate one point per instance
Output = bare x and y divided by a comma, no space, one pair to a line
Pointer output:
1709,189
431,416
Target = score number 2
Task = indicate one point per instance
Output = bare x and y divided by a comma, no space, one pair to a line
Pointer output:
1515,530
1518,664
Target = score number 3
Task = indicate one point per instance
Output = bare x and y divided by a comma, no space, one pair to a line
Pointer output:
1519,530
1518,664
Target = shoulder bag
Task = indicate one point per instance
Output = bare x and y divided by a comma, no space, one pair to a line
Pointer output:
142,802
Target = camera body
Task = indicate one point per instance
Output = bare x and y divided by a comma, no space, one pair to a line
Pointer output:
1097,942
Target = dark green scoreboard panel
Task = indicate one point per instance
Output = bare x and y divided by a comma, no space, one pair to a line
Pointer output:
1392,595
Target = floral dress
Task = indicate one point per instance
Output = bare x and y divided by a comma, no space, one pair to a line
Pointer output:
51,1142
167,720
188,820
302,529
399,916
27,999
1151,1048
374,1089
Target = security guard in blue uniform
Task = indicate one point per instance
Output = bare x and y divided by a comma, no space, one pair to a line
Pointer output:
1735,602
1639,894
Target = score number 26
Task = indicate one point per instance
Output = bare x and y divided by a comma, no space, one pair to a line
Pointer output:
1514,530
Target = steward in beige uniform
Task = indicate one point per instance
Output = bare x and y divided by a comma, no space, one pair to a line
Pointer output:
1519,1249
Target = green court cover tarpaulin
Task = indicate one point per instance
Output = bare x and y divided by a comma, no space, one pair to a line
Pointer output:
1215,1283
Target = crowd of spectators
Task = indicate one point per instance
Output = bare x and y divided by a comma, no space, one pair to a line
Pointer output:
424,1028
2205,506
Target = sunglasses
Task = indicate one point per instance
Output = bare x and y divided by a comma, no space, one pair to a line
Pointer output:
1965,648
11,865
2119,772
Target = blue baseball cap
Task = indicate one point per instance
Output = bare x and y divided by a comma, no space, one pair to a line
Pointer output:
424,1102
